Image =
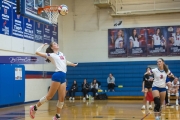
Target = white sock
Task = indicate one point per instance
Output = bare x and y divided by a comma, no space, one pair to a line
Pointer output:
36,106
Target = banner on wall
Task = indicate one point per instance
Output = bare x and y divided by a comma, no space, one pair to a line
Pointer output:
17,23
28,29
136,42
38,35
47,34
157,41
145,41
21,60
54,33
6,17
173,40
117,43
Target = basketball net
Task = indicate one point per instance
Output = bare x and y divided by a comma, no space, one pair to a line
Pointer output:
52,12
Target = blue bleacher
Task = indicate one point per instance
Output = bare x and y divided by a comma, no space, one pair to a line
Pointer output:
128,74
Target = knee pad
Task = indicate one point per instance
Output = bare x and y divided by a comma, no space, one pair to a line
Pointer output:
177,94
43,100
157,104
60,104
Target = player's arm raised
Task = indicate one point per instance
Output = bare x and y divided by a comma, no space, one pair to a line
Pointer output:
38,51
71,64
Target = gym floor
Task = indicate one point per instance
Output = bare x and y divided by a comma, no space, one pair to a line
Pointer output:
90,110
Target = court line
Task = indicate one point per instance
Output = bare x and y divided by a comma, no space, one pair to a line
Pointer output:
145,116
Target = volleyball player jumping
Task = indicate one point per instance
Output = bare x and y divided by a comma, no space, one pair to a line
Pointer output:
58,78
159,85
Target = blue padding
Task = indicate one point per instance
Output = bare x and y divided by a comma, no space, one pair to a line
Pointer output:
128,74
11,91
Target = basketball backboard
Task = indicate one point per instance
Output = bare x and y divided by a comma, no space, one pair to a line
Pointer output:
29,9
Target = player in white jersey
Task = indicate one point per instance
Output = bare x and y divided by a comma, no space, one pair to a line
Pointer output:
159,85
58,78
175,37
158,40
134,39
174,89
119,40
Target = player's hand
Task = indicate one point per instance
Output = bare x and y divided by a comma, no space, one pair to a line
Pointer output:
45,44
151,79
74,65
142,90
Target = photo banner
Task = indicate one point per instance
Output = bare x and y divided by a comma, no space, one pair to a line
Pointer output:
157,41
137,42
173,41
117,43
144,41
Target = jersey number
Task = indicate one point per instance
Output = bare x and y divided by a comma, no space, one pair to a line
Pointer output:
61,57
161,76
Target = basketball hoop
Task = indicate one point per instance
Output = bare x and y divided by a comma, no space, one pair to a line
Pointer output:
51,11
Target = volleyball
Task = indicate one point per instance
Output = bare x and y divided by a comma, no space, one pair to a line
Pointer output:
63,10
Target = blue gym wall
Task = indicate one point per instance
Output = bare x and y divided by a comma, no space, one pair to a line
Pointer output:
128,74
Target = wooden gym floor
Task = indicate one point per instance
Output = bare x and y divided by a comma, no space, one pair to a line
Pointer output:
90,110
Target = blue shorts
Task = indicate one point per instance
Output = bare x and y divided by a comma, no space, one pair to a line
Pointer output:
159,89
59,77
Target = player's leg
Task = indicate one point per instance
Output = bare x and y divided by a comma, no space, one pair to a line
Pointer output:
144,100
60,103
150,102
73,94
70,94
168,83
157,102
166,98
176,92
53,88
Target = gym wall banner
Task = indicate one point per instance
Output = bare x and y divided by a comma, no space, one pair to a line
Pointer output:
144,41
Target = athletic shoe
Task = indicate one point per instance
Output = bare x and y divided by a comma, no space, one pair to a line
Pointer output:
54,118
84,98
143,107
150,107
70,98
73,98
87,96
157,118
32,112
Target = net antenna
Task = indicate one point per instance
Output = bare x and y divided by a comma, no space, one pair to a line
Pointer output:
51,11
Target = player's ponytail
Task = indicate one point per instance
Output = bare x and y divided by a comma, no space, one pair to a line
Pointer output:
49,50
166,69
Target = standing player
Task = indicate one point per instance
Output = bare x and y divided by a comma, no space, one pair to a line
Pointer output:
159,85
134,39
157,39
175,37
147,87
58,78
119,40
174,89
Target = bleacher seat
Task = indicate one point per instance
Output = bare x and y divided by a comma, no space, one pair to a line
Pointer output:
127,74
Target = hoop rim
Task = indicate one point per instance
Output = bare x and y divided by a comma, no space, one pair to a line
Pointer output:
48,8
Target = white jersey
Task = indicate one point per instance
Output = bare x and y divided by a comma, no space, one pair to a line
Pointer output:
135,42
58,60
176,39
156,39
118,41
159,78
